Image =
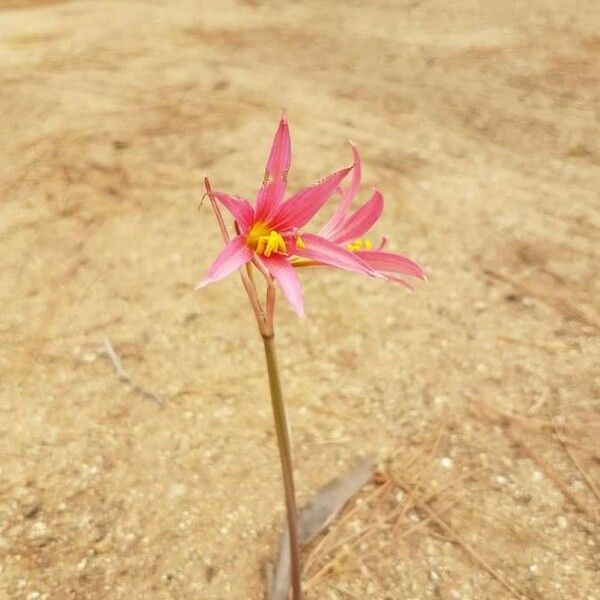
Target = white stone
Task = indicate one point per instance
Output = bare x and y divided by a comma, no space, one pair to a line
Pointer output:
562,522
446,462
176,490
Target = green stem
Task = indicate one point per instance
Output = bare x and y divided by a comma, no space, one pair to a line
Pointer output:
285,455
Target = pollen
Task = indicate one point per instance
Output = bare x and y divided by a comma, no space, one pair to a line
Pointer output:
300,243
359,245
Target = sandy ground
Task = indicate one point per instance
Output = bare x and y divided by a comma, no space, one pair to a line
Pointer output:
479,122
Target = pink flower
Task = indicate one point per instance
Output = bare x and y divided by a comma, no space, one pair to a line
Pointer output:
347,230
271,231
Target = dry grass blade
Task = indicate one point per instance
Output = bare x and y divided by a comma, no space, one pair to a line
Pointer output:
383,521
550,474
315,517
562,438
420,525
324,545
431,454
328,543
493,415
460,541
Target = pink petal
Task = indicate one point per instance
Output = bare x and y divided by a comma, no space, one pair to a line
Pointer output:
401,281
302,207
288,281
330,228
361,221
232,257
356,176
280,157
269,200
390,263
241,210
325,252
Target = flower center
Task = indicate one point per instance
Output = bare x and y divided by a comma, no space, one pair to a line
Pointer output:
360,245
265,241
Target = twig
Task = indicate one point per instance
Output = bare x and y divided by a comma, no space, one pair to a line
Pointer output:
123,375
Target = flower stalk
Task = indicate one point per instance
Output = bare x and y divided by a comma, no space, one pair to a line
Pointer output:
285,455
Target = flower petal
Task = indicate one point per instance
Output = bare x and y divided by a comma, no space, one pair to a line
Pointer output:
287,278
280,157
391,263
356,176
400,281
269,199
325,252
303,206
232,257
331,227
241,209
361,221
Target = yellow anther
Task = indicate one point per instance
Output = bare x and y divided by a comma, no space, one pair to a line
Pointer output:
300,243
271,243
260,245
360,245
281,247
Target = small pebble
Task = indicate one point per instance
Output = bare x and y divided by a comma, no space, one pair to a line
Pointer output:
562,522
176,490
446,462
39,529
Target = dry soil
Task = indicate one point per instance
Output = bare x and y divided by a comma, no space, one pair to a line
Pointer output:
479,121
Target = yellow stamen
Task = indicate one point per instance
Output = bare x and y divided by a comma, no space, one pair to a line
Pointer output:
359,245
281,247
265,241
300,243
275,243
260,246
